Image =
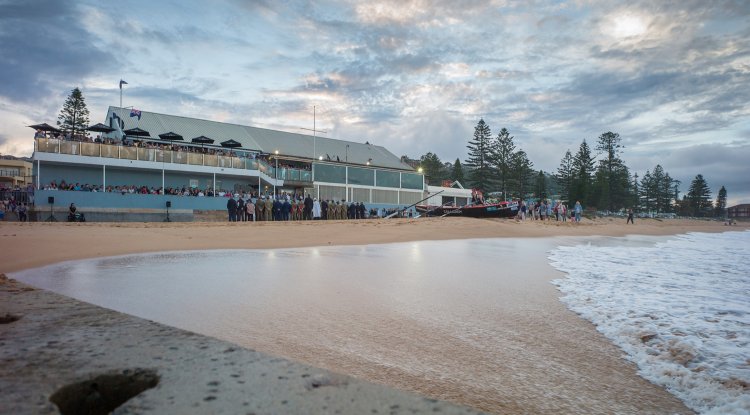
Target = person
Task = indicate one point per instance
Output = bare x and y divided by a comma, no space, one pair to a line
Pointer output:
240,209
250,210
630,217
21,210
577,209
316,209
307,212
232,209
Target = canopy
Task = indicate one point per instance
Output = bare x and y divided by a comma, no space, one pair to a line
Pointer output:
100,128
203,140
231,144
137,132
170,136
44,127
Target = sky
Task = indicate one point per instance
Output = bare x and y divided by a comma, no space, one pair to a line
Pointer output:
671,77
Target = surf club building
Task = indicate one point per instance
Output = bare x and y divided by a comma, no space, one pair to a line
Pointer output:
138,161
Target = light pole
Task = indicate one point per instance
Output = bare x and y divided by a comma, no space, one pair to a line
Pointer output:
347,154
276,173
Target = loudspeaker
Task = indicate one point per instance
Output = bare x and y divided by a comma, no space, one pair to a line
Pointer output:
169,204
51,200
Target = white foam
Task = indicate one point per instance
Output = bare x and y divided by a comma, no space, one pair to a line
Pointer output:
679,309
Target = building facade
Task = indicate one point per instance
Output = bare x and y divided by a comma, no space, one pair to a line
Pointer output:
159,151
739,211
15,173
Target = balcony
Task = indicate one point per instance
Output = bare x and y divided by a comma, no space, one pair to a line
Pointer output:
76,148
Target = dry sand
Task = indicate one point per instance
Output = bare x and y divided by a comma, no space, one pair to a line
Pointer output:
612,381
35,244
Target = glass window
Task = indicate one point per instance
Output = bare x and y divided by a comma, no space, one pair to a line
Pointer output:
387,178
364,177
330,173
411,181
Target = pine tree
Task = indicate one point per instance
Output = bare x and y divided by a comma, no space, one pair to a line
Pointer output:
74,116
541,185
611,169
523,173
502,159
480,158
646,194
583,169
635,199
433,168
564,176
699,197
721,203
458,172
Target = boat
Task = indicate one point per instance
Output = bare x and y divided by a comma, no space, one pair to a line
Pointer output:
474,210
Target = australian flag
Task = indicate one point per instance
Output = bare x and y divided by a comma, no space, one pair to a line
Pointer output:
135,113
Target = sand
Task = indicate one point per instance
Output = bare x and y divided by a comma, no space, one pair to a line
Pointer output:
610,384
35,244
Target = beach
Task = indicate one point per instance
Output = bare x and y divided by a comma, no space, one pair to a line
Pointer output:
549,359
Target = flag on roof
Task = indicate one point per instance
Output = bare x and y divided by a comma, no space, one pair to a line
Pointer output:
122,82
135,113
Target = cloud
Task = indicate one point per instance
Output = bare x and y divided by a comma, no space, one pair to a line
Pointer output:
43,47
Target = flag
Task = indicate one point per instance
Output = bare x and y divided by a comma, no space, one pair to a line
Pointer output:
122,82
135,113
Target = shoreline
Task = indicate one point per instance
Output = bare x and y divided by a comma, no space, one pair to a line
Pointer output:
35,244
63,242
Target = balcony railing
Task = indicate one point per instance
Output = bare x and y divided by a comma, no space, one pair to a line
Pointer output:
76,148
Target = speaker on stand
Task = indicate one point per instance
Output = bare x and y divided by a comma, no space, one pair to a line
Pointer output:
51,201
169,205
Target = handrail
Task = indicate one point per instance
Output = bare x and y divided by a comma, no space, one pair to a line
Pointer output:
87,149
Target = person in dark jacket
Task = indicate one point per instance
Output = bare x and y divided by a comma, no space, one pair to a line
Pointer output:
324,210
286,207
232,209
276,209
240,210
307,212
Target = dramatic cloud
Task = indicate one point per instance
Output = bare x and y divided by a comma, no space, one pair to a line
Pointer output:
412,75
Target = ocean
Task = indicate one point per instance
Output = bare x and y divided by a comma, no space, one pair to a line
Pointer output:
678,308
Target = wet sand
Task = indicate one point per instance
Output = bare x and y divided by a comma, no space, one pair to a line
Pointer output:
531,355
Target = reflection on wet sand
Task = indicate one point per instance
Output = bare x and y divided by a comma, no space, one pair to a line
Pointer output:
471,321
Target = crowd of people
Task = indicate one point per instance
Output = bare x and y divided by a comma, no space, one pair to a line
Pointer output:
547,210
287,207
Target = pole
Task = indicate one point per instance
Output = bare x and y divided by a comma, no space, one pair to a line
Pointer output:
38,173
214,185
104,176
315,152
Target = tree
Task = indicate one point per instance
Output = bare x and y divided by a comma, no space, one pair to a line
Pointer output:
74,116
540,186
721,203
699,197
636,192
502,158
564,176
432,168
610,171
458,172
523,173
583,169
479,157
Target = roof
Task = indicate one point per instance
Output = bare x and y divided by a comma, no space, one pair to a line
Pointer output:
259,139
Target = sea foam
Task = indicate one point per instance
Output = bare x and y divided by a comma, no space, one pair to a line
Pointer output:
679,309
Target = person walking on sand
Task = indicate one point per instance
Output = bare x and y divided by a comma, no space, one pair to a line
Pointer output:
577,209
630,217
